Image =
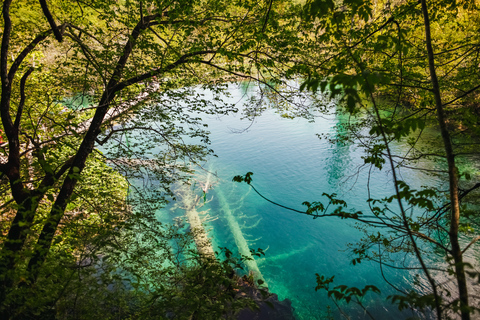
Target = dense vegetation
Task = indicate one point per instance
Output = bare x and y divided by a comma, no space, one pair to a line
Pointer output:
74,245
409,65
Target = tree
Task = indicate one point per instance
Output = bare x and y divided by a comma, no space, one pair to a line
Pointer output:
382,53
398,68
124,57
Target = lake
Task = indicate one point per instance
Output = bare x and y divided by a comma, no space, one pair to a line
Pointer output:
292,165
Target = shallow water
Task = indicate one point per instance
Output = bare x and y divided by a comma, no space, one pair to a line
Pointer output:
292,165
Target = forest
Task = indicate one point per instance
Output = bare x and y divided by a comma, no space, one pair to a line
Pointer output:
110,123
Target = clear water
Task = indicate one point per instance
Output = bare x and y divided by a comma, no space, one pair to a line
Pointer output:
292,165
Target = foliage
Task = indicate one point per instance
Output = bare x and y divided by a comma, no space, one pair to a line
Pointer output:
404,72
66,215
137,64
156,275
374,57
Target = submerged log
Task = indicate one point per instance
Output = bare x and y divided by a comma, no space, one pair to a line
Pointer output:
189,201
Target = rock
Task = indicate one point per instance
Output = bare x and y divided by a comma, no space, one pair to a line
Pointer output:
270,308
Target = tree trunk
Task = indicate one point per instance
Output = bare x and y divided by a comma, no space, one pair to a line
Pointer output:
452,174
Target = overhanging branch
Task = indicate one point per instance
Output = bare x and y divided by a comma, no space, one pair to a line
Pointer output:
51,21
470,244
181,60
18,61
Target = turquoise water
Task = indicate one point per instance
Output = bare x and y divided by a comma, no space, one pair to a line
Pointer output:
292,165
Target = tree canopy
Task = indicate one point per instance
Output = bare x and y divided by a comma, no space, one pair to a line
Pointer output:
78,75
399,68
72,75
404,72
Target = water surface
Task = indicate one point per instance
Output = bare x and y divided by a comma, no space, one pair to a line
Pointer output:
292,165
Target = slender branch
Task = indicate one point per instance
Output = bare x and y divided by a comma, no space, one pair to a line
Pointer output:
266,16
452,175
465,192
50,178
22,98
410,233
19,59
240,75
461,96
402,85
51,21
82,31
6,203
275,203
389,20
363,219
470,244
427,238
446,206
391,266
363,307
383,274
183,59
88,55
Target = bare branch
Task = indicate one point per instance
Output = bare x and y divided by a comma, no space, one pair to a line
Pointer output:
470,244
88,55
18,61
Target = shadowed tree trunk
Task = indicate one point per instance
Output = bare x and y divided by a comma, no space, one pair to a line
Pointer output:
452,174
